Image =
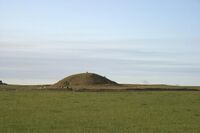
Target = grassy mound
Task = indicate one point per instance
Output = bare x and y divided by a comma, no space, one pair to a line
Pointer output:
1,83
84,79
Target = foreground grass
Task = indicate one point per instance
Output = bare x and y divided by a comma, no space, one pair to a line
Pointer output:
99,112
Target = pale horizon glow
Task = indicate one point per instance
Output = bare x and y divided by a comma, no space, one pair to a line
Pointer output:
154,42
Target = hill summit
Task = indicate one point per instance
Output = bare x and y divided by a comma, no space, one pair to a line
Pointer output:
84,79
2,83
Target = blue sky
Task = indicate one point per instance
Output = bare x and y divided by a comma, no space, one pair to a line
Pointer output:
129,41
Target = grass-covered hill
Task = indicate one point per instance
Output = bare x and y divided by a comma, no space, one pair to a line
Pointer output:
84,79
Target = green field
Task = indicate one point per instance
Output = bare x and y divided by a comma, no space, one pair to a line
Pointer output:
99,112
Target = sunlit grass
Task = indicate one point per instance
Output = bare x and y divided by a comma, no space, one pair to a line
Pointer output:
99,112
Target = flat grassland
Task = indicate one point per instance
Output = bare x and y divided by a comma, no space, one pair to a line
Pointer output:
47,111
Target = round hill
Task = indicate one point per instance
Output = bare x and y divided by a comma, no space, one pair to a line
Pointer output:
84,79
2,83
